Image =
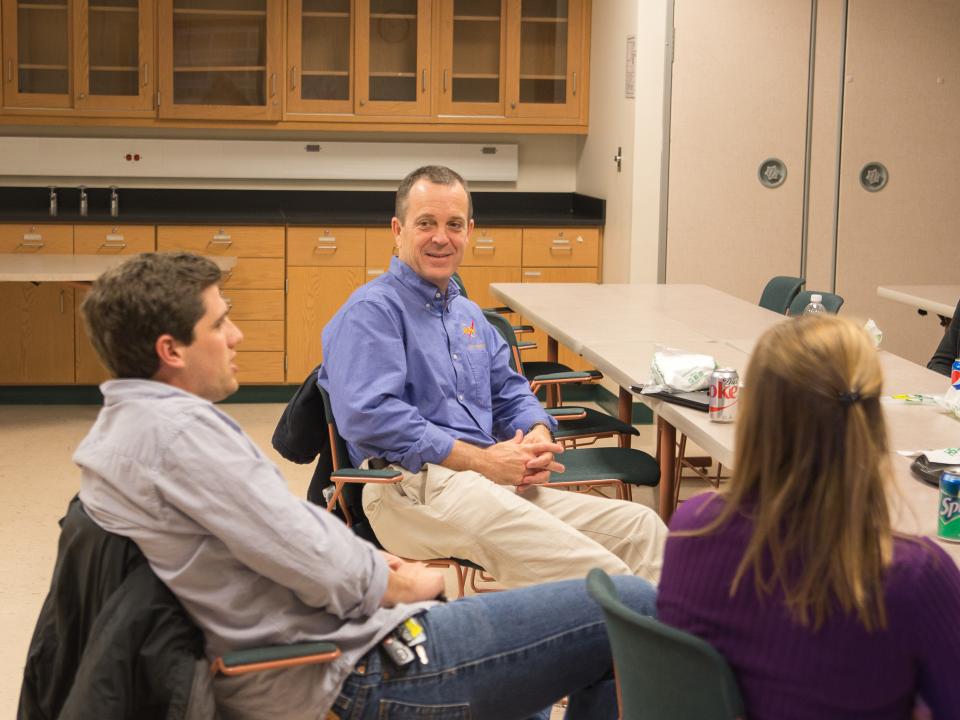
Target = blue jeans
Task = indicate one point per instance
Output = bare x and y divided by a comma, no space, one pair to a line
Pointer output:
500,656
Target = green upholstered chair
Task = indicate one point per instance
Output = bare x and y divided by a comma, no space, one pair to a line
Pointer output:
663,672
779,292
621,467
831,301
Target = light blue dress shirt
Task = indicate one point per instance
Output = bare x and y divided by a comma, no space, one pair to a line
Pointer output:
410,369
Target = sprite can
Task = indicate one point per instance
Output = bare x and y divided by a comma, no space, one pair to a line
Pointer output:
948,524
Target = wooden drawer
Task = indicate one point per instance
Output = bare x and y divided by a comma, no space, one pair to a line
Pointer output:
259,367
381,246
553,247
47,239
255,274
255,304
494,247
113,239
330,247
261,335
223,240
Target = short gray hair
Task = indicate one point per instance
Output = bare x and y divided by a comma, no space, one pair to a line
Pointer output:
438,175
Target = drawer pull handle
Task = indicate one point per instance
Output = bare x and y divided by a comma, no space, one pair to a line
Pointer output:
32,240
561,249
221,238
326,243
560,241
491,249
485,240
324,248
532,273
114,241
374,273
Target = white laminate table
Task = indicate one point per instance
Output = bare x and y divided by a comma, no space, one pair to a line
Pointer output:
941,299
730,339
73,269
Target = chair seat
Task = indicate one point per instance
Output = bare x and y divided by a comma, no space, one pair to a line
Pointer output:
628,465
594,423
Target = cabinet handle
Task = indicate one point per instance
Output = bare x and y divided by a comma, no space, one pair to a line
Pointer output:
273,84
574,82
362,102
9,70
221,238
532,273
513,106
146,73
61,302
374,273
484,249
114,241
423,80
325,243
293,77
444,80
32,240
560,249
484,240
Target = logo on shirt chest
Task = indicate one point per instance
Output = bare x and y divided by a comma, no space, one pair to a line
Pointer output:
470,330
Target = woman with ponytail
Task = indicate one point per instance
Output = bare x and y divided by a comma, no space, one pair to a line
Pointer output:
793,571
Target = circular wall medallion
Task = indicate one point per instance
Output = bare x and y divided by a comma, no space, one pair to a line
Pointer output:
772,172
873,177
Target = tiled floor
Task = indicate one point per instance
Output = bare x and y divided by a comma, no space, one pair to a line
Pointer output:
37,480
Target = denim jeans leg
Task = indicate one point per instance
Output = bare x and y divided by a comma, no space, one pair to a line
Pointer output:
501,656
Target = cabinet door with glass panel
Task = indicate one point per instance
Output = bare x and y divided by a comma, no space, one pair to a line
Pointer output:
544,59
220,59
114,55
320,55
37,62
393,57
473,39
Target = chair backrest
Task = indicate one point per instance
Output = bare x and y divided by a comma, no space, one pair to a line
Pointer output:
663,672
831,301
459,281
503,326
779,292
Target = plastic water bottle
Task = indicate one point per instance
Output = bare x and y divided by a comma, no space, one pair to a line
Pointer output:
815,306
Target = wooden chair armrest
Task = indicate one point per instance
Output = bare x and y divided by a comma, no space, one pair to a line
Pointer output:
567,412
356,475
273,657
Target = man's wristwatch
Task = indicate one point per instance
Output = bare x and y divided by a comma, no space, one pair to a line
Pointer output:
540,422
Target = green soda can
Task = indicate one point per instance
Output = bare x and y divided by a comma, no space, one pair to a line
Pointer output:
948,524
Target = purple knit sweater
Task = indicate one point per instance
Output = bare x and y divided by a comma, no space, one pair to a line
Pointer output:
787,672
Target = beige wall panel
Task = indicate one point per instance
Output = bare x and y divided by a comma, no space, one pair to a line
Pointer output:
739,97
823,145
900,107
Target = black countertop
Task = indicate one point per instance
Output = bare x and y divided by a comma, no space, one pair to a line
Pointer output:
285,207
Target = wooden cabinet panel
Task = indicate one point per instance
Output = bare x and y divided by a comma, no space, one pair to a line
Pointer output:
477,281
46,239
36,334
261,335
255,274
558,275
259,367
499,247
381,246
113,239
472,64
315,295
320,56
561,247
237,241
332,247
37,66
255,304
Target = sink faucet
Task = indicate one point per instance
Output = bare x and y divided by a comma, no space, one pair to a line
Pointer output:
83,200
114,201
53,201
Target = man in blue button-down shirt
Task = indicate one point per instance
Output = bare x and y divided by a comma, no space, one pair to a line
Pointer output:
418,378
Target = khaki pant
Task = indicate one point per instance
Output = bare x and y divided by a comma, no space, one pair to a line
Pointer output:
539,535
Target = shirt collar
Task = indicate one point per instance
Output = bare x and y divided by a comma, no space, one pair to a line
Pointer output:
427,291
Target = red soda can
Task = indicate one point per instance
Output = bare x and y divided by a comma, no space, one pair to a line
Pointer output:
724,386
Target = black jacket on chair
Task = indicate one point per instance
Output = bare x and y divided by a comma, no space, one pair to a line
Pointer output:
112,641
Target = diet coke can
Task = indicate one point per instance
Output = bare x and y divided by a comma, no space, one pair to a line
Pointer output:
724,385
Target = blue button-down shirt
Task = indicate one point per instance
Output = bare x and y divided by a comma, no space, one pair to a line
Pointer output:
410,369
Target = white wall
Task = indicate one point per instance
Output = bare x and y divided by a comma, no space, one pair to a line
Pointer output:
546,163
631,237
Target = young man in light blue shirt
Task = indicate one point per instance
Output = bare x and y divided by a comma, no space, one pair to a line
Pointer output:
420,380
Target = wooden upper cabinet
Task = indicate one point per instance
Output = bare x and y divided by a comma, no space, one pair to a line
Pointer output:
471,67
113,53
545,55
393,57
220,59
37,58
320,56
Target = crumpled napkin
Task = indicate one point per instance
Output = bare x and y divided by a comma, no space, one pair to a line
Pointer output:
875,333
676,370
